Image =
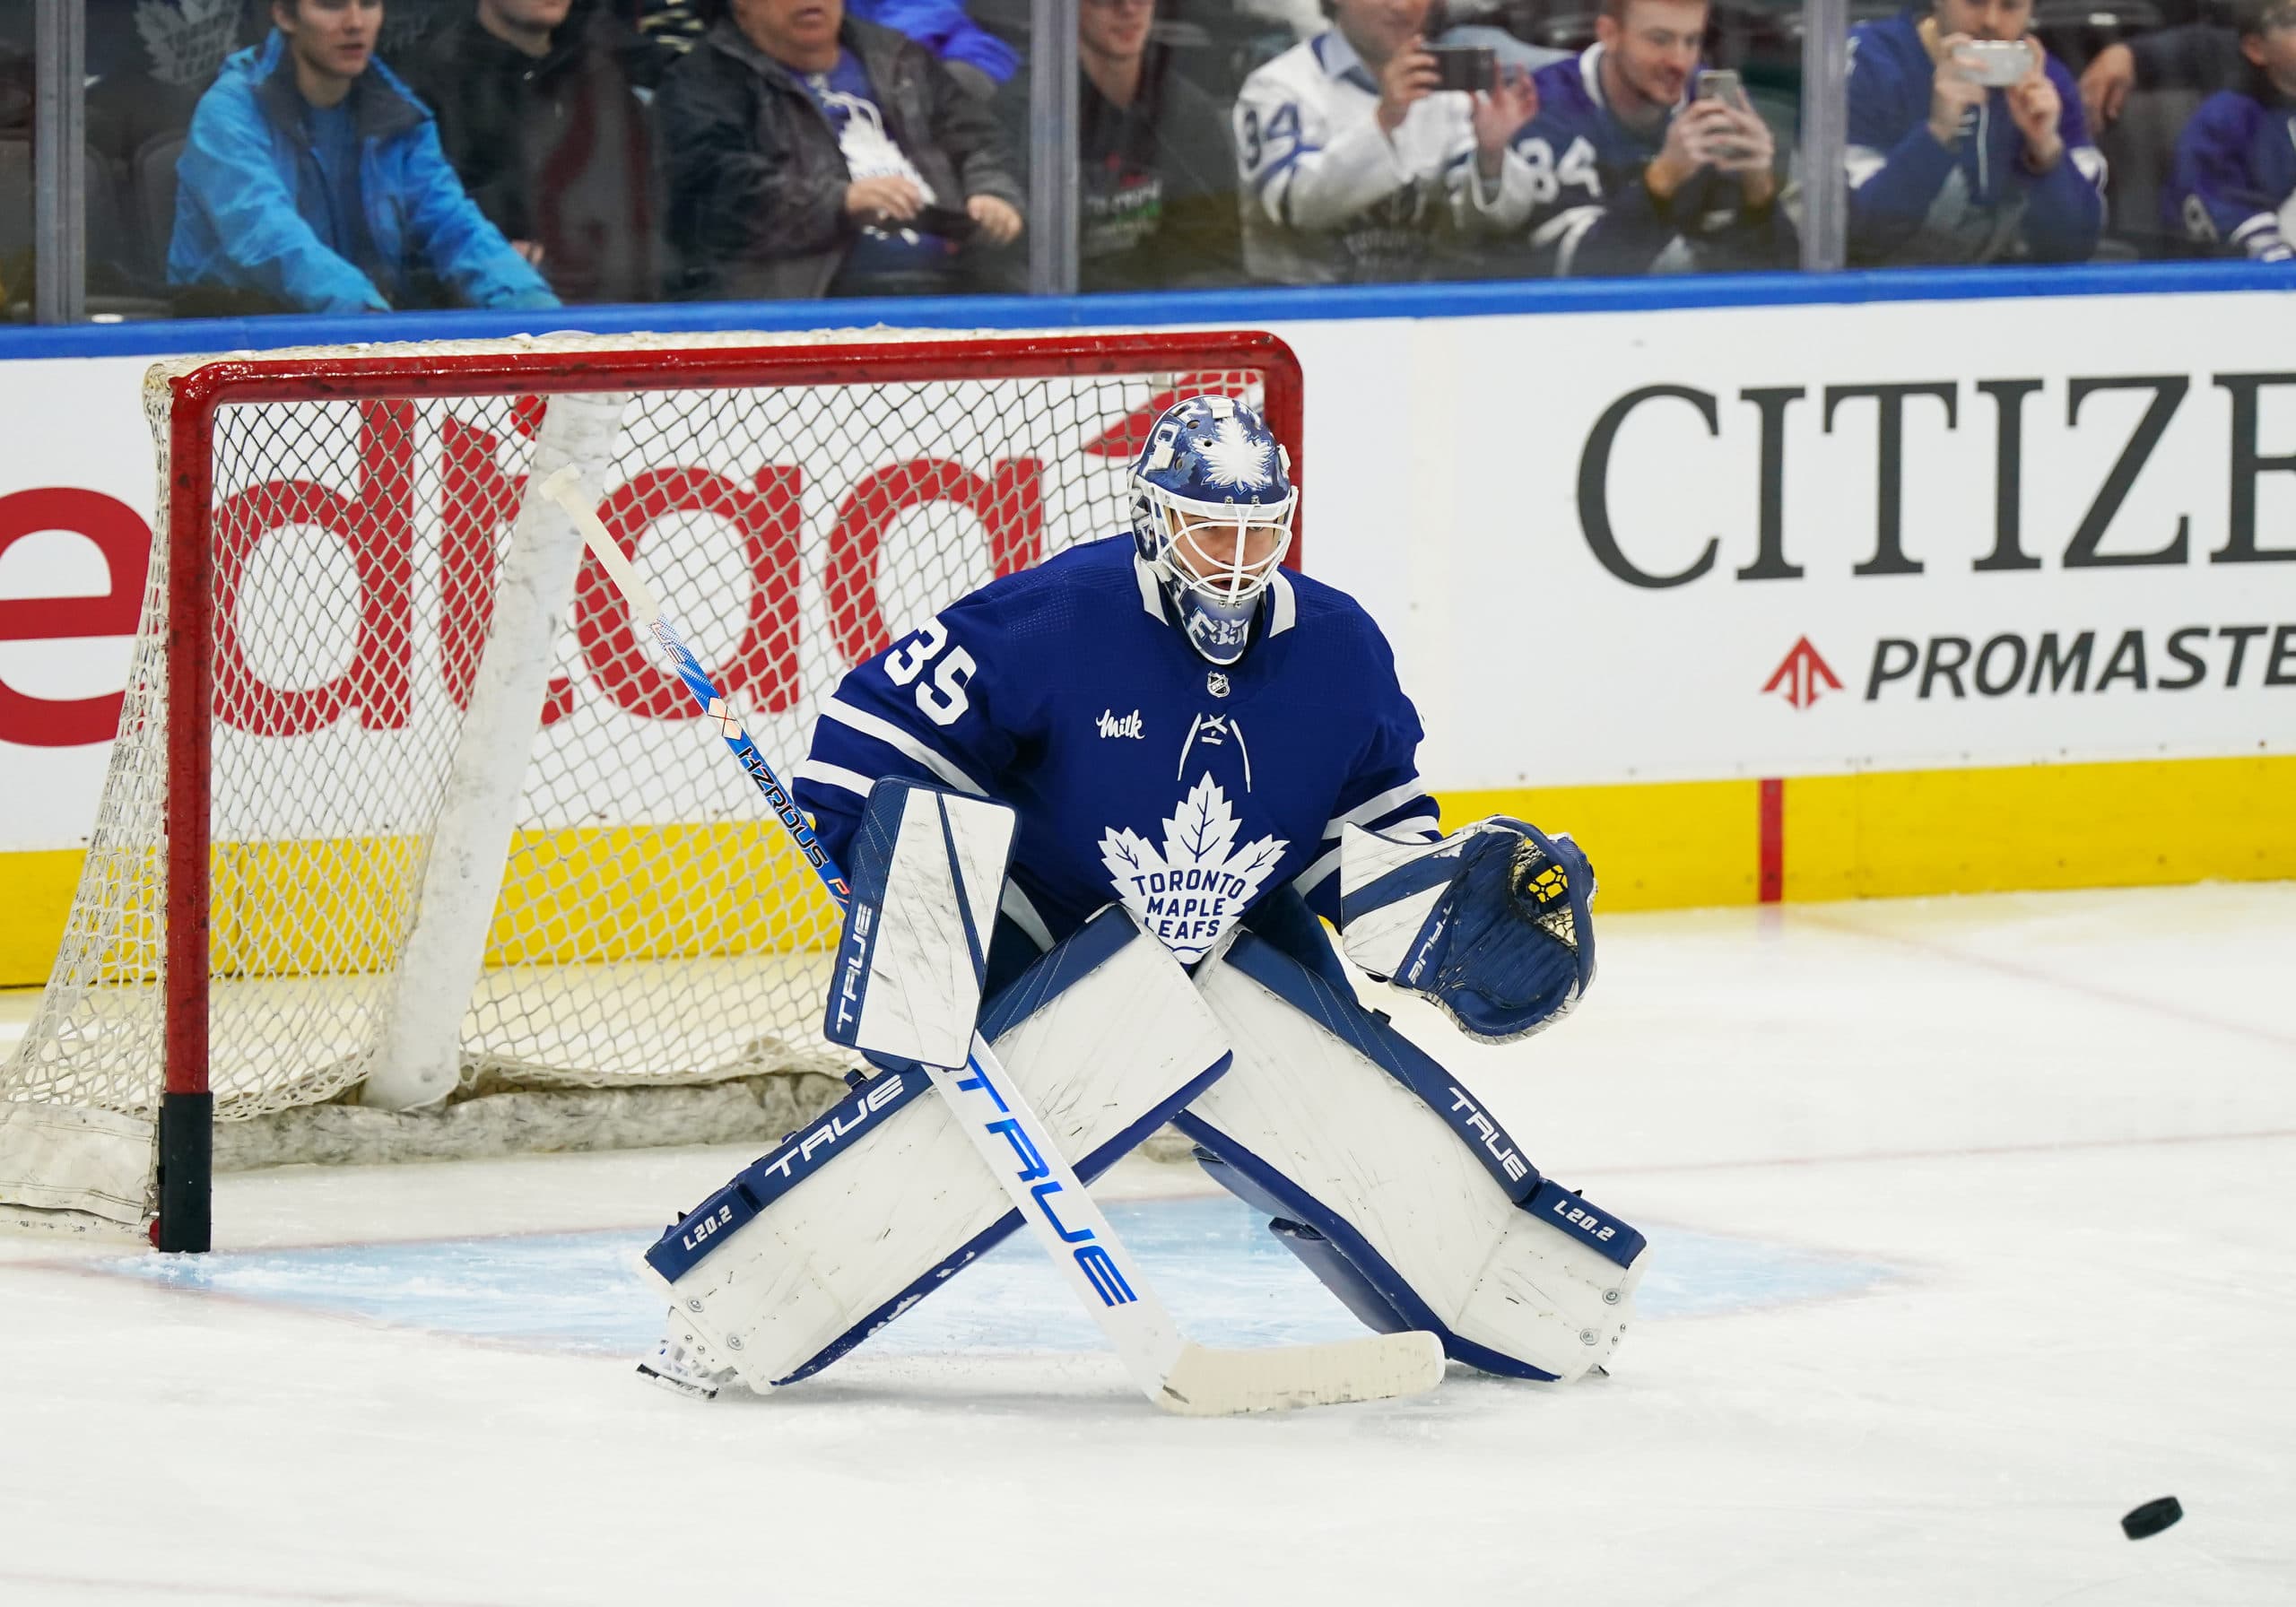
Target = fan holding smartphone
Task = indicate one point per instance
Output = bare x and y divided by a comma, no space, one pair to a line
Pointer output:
1720,130
1636,161
1348,145
1967,141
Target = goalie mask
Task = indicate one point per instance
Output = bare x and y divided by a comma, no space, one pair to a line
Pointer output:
1212,506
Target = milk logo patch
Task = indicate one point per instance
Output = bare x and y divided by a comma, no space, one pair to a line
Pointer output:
1111,724
1191,889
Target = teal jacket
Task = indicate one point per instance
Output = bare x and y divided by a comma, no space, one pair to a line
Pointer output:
248,181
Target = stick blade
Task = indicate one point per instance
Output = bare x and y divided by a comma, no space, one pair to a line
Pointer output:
1209,1382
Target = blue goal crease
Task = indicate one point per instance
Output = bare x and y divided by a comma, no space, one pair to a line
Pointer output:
1211,1255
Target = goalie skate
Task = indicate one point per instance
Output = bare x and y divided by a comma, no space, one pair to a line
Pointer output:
682,1364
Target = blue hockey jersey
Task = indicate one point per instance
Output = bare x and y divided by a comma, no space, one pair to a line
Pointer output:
2233,187
1141,773
1913,200
1573,180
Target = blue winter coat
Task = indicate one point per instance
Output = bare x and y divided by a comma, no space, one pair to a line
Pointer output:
249,182
1913,200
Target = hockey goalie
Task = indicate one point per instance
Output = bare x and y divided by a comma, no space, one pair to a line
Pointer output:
1184,755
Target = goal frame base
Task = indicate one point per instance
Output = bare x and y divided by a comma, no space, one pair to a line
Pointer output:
187,1218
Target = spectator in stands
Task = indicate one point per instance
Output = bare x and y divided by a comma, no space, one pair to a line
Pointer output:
1308,18
2234,187
1943,169
1621,171
313,181
1156,170
811,154
544,127
16,88
2203,57
15,115
1343,143
976,59
665,30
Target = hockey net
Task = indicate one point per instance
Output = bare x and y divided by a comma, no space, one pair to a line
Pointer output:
320,624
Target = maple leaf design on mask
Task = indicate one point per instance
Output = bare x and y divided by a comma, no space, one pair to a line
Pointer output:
1231,457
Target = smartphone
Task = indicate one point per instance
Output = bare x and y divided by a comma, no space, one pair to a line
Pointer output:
1995,63
1723,85
1464,67
947,221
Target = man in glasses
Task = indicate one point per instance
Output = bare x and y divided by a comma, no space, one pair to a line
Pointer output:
2234,190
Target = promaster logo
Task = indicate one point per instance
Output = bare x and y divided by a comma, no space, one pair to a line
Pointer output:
1800,674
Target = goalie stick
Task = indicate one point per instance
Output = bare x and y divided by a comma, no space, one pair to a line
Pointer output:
1172,1370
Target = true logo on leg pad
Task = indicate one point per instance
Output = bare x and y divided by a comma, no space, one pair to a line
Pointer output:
767,1179
1495,1141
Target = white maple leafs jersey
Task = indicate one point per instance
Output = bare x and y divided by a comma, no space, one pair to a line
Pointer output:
1141,774
1328,198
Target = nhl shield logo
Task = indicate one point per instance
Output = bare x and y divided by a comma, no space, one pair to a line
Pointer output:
1216,684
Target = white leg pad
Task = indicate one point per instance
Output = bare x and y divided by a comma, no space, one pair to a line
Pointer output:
853,1219
1330,1118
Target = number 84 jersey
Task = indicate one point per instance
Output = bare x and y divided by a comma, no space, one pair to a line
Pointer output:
1572,181
1141,773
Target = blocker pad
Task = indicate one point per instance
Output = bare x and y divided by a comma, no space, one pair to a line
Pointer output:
928,867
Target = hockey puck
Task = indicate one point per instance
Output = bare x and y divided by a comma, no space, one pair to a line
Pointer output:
2151,1517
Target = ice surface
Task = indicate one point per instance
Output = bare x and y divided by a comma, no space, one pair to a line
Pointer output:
1973,1224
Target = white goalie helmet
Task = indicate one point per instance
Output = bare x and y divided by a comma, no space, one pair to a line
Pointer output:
1212,507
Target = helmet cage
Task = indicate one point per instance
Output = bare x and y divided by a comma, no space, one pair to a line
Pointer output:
1207,445
1204,526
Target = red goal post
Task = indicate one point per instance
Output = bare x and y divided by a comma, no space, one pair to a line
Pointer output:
1036,400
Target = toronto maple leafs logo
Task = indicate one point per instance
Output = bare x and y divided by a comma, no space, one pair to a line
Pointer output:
1191,891
187,42
1231,457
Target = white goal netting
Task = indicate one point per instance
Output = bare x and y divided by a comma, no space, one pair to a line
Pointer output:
649,927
